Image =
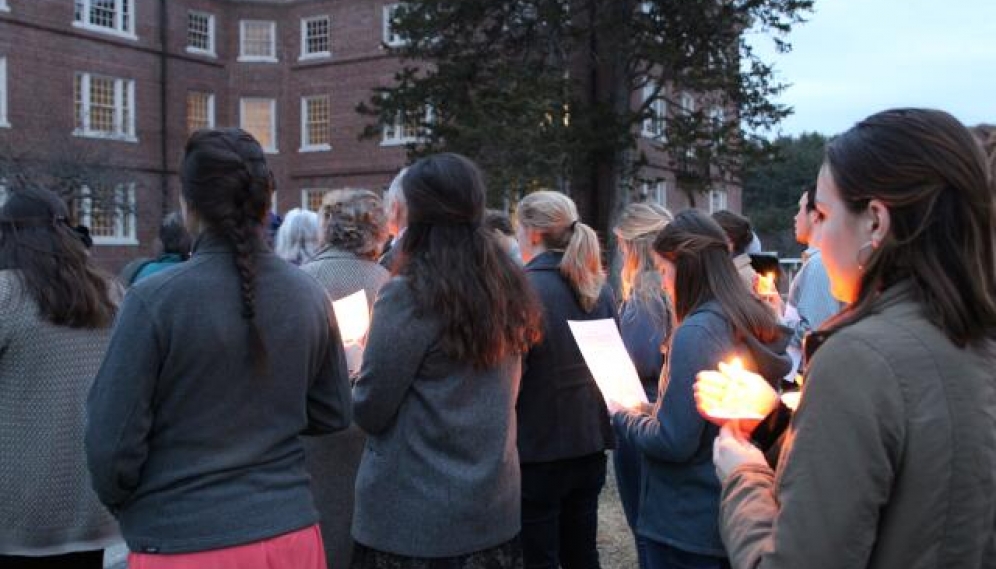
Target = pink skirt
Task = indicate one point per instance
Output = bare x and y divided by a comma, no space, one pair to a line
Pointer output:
301,549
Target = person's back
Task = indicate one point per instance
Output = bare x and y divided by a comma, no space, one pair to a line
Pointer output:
50,348
214,370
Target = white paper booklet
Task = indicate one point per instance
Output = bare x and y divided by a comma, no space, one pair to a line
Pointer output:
609,362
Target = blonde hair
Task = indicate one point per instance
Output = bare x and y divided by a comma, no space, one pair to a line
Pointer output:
555,217
638,225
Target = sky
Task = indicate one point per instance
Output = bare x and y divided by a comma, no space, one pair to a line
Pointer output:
856,57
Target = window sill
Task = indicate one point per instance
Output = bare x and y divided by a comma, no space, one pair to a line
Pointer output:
399,141
105,136
314,56
198,51
256,59
315,148
129,241
4,124
4,8
270,151
103,30
395,44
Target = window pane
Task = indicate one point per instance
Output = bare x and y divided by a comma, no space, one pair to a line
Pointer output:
313,199
317,36
317,121
199,31
198,111
102,13
257,120
257,39
101,104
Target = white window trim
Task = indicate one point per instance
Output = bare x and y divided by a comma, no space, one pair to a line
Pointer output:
211,37
86,217
687,103
399,126
3,6
305,147
116,31
257,58
273,204
389,38
4,123
724,201
304,39
122,88
210,108
647,128
305,192
273,120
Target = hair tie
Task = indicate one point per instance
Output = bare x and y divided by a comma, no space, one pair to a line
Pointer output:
574,224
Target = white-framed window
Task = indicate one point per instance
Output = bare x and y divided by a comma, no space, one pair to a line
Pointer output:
200,33
316,37
717,200
656,192
108,16
407,127
687,103
110,216
316,126
390,37
257,41
3,6
3,93
717,116
655,125
258,117
105,107
311,198
3,191
200,111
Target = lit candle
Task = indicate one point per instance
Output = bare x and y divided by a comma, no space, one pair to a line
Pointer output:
766,285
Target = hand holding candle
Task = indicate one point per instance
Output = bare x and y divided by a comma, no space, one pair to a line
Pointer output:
733,393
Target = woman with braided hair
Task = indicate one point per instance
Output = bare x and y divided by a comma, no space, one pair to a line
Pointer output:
718,318
214,369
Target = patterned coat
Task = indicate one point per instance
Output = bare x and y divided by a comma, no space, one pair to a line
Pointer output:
332,460
47,506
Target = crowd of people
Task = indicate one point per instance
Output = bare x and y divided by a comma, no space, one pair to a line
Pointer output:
207,408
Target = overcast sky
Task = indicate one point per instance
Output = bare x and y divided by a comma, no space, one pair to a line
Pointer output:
855,57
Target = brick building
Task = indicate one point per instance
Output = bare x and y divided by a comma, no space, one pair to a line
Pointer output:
105,92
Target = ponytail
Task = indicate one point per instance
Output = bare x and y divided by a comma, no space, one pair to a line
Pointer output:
555,216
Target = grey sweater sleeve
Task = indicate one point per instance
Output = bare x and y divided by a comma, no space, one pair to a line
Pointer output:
119,407
329,405
396,345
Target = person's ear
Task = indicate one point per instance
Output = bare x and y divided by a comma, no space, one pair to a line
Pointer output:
879,222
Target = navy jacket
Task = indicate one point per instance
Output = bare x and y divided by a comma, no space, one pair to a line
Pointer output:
561,412
679,505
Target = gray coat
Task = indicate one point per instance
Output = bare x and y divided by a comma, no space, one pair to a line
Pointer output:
192,448
47,506
332,460
440,473
890,461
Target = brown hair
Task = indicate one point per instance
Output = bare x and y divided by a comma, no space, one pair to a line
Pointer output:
704,271
457,269
51,262
354,221
226,181
555,216
932,176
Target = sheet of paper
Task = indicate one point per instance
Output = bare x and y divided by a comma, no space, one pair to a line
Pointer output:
609,362
352,313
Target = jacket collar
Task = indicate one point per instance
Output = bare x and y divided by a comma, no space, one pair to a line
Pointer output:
211,242
331,253
546,261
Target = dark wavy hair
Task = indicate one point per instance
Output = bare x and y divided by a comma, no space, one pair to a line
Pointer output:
457,269
932,176
704,270
38,242
227,183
